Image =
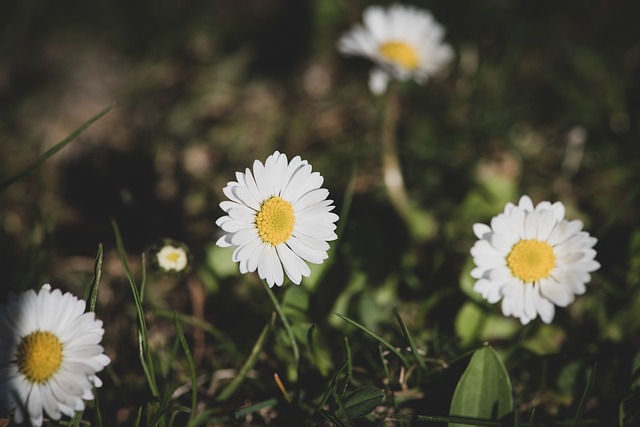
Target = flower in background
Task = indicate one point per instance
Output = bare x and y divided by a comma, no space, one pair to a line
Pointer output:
170,257
277,217
532,258
49,355
405,43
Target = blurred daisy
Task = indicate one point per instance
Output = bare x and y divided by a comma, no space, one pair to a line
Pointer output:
172,257
533,259
277,217
405,43
49,355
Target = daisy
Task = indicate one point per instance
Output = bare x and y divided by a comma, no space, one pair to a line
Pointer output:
404,42
277,217
49,355
533,259
172,257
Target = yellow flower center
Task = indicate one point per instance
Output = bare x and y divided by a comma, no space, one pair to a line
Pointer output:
275,221
400,53
39,356
531,260
173,256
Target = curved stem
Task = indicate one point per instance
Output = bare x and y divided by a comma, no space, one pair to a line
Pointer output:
392,172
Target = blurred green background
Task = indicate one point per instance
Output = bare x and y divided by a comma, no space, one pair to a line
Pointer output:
543,98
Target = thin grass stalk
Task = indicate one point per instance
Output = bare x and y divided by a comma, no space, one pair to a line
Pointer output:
95,282
145,357
378,338
191,365
53,150
231,388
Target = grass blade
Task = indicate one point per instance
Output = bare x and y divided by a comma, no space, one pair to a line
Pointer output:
192,367
332,385
530,423
447,419
378,338
341,408
407,336
585,395
331,418
95,282
145,357
53,150
255,407
228,391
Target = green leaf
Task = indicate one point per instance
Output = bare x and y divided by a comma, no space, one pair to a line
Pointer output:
362,401
329,417
484,390
254,408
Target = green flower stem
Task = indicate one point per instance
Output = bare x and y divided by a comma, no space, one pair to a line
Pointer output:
392,172
285,323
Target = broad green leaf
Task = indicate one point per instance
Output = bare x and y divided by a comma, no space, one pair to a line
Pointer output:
484,390
362,401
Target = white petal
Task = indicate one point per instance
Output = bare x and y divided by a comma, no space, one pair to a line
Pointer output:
525,203
481,230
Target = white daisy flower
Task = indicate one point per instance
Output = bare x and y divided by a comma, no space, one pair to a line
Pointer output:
278,217
532,258
49,355
172,259
405,43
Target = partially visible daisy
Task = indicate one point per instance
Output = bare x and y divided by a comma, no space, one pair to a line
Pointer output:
405,43
171,257
49,355
533,259
278,217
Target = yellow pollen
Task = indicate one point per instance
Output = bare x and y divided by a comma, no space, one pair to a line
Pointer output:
531,260
173,256
39,356
275,221
400,53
